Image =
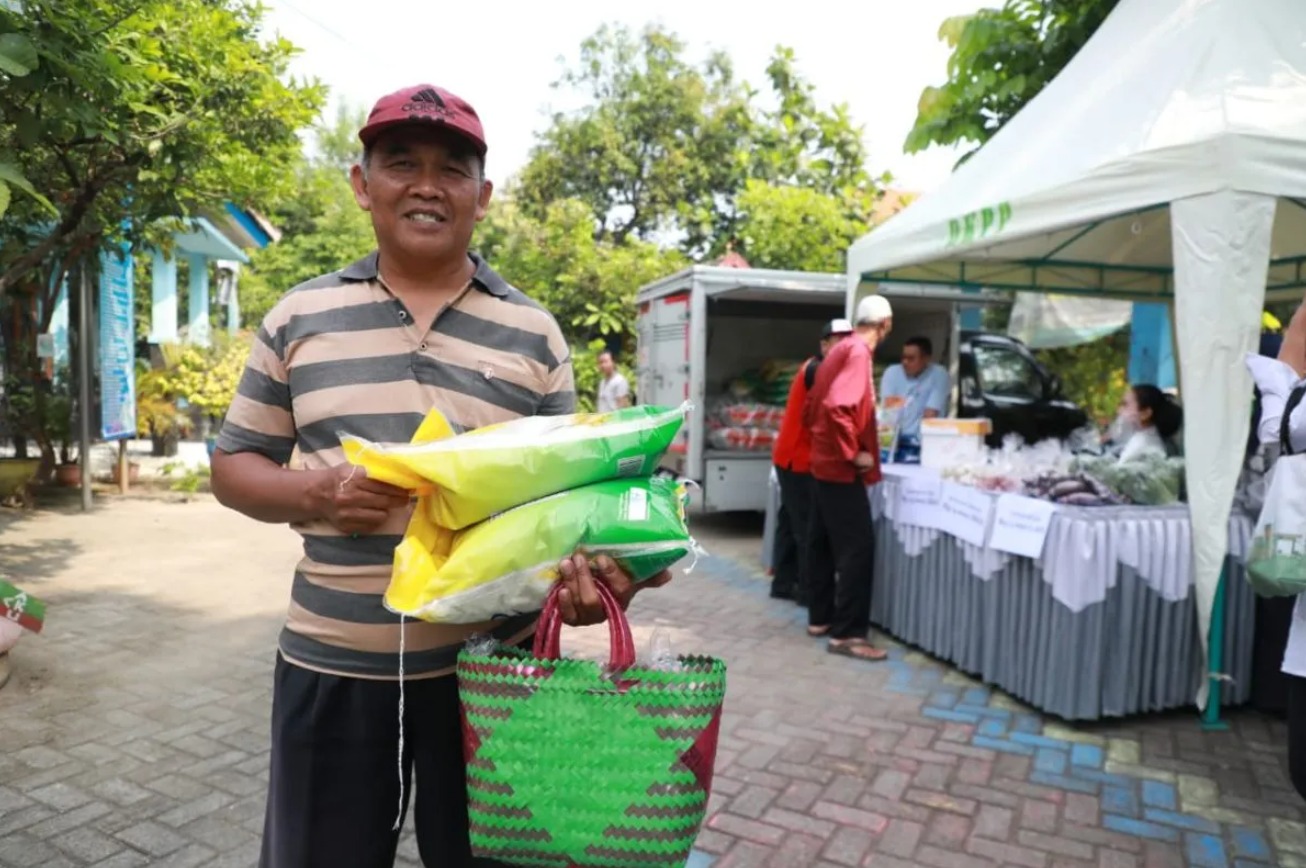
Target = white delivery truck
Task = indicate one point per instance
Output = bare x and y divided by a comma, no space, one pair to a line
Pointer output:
705,329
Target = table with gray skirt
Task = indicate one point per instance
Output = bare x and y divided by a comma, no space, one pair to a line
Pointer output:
1104,624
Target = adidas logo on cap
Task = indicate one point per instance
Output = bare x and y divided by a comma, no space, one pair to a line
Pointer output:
427,101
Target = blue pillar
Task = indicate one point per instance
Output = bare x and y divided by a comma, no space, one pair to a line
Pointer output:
163,295
230,277
972,318
199,300
233,311
1151,346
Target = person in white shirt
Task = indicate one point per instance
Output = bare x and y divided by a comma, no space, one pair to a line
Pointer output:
1277,382
1146,424
614,391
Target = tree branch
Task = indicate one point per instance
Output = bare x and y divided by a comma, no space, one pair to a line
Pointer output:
72,219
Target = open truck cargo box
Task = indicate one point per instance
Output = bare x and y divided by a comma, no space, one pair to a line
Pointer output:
702,327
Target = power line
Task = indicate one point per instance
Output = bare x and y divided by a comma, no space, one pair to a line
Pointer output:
309,18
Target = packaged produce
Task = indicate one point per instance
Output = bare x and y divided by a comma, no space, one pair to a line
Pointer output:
504,566
1148,481
753,439
750,415
467,478
1072,489
767,384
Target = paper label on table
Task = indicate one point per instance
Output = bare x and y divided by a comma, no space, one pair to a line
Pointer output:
1020,525
964,512
918,500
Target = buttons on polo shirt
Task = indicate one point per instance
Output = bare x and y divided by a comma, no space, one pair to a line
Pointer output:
422,346
403,315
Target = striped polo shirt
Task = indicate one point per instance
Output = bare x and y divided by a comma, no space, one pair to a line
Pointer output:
341,354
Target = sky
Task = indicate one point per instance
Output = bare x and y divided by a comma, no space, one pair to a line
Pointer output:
503,56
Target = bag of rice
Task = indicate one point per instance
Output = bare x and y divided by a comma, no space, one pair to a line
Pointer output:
505,566
469,477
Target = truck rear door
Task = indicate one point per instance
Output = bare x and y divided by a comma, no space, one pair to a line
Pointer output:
663,364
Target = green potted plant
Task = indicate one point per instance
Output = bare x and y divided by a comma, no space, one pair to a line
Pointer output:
213,387
158,415
59,430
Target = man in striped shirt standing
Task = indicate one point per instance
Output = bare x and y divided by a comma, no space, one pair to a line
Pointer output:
368,350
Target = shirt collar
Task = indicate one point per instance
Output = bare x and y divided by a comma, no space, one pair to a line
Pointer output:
485,278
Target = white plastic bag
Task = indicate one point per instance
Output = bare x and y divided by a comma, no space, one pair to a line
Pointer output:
1276,566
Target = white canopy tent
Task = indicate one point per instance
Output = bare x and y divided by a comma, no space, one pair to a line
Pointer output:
1167,162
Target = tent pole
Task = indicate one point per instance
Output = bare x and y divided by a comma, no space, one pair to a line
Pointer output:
1211,719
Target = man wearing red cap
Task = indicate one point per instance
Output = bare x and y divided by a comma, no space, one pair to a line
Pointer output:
367,351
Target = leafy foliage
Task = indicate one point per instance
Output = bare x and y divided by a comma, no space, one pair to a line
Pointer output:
204,377
588,284
1094,375
137,113
1001,59
664,147
584,360
796,227
322,227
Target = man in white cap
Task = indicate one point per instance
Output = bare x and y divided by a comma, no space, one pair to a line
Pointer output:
840,414
792,457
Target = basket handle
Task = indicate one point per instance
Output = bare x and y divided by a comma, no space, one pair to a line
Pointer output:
548,635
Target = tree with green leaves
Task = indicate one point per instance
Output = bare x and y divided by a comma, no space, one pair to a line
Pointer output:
1001,59
131,113
588,283
322,227
120,118
796,227
666,148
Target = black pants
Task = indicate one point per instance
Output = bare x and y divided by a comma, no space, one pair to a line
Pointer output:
1297,733
789,555
333,793
840,559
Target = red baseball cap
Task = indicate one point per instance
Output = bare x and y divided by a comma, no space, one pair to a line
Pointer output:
425,103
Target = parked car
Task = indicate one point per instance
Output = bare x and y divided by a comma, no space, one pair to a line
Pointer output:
1000,379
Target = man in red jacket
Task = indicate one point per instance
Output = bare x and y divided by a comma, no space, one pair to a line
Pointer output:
792,456
840,413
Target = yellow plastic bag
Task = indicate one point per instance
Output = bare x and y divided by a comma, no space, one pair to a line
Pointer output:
469,477
505,566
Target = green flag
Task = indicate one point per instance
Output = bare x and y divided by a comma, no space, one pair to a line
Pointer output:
21,607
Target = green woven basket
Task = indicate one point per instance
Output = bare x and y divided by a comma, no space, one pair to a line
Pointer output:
571,764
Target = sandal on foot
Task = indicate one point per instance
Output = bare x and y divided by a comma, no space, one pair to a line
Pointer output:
817,632
858,649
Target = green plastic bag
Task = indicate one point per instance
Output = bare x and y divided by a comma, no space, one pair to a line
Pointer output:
469,477
505,566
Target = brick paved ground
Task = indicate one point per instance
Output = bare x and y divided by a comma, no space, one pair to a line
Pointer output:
135,729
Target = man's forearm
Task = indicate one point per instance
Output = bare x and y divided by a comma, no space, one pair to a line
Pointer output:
1292,351
266,491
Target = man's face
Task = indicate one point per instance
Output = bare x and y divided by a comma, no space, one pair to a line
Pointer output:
606,365
424,190
913,360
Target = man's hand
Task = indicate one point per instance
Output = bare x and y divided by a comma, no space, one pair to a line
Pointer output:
579,599
355,504
864,461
